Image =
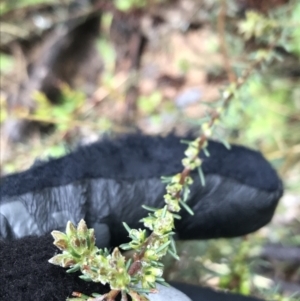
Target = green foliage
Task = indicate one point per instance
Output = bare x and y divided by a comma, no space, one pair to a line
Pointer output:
266,104
149,104
6,63
263,112
63,114
281,27
256,26
238,279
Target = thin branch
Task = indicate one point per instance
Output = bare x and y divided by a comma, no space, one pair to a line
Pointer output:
202,141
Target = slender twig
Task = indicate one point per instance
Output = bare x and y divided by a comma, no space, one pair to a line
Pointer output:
202,141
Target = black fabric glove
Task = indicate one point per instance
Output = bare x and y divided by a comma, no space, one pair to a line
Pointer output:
26,275
107,182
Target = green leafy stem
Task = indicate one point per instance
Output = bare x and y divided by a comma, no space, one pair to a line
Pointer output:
138,275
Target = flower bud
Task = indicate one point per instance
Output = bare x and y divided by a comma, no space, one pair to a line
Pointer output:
70,229
82,229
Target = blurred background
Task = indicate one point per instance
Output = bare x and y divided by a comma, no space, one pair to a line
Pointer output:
75,70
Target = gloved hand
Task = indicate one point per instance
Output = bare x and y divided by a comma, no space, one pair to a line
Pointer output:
107,182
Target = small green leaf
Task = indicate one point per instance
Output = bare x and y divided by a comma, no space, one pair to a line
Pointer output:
82,228
85,278
128,264
74,269
185,141
177,216
206,152
149,208
126,227
186,207
175,256
164,212
162,247
201,176
166,179
70,229
226,144
156,264
125,247
160,279
164,283
186,193
173,245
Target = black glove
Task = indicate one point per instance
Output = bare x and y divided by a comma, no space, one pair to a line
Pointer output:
107,182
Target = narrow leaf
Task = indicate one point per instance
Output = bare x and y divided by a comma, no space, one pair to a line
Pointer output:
125,247
75,268
177,216
173,255
128,263
201,176
126,227
206,152
226,144
185,141
162,247
186,207
157,264
164,212
186,193
160,279
173,245
164,283
149,208
85,278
